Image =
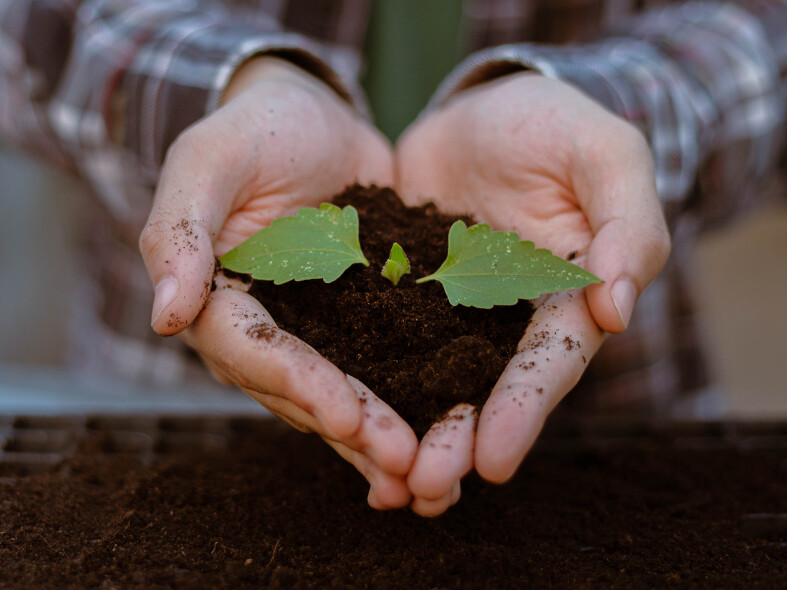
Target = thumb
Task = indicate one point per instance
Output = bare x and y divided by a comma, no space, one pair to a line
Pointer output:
630,238
627,258
177,241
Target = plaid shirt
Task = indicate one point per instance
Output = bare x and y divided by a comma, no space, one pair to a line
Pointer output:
105,86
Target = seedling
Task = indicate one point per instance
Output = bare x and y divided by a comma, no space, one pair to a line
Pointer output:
483,267
397,265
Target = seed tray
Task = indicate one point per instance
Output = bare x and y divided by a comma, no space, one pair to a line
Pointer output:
34,444
238,502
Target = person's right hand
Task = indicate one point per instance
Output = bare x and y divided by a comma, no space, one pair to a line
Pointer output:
282,140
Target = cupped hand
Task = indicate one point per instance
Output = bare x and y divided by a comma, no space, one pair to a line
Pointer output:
533,155
281,140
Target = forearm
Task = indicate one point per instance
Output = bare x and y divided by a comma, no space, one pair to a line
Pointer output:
35,40
695,79
111,84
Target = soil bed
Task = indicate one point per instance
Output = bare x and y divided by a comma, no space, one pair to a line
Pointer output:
407,343
278,509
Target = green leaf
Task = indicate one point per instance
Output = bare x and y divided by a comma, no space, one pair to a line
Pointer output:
485,268
313,244
397,265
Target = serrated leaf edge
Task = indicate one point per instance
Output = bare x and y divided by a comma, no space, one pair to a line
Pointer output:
443,274
354,245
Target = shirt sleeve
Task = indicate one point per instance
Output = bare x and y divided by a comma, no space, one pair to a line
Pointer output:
89,83
697,79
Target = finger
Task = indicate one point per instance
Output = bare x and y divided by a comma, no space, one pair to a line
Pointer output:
445,454
193,198
432,508
235,332
550,359
383,435
386,491
376,165
216,371
417,175
615,184
284,409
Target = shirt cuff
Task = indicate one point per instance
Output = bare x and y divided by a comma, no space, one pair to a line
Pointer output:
692,78
178,76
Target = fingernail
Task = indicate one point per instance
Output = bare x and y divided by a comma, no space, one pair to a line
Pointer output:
624,296
166,289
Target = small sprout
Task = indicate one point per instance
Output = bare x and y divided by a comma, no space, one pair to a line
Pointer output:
397,265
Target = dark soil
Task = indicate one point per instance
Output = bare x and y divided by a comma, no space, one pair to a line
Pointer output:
278,509
407,343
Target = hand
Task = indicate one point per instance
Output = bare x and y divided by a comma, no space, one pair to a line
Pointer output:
281,141
533,155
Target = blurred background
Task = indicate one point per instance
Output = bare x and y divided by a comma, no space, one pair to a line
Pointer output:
740,272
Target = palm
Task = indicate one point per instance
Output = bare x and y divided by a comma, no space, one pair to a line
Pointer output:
283,168
515,178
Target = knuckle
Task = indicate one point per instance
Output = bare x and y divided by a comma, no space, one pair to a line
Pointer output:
632,136
283,410
640,147
293,386
622,142
241,379
657,243
662,245
186,144
152,237
208,142
633,142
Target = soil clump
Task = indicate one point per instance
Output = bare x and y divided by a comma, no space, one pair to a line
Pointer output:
408,344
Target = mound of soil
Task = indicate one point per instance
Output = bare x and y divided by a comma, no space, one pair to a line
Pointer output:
407,343
278,509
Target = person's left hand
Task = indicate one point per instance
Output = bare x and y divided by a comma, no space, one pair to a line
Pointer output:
533,155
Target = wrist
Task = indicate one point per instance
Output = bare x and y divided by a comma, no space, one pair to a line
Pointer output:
268,68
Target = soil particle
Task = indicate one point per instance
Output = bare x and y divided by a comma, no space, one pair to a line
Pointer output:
261,331
383,423
448,421
175,321
184,227
407,343
244,278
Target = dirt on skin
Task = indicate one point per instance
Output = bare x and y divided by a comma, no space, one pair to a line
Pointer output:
279,509
407,343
